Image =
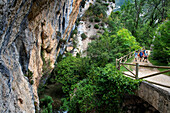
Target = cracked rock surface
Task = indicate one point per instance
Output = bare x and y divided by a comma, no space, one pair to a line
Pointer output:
30,34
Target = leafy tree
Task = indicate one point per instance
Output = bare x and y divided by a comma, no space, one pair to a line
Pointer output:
82,98
70,71
141,18
156,11
102,92
145,35
161,49
126,41
111,46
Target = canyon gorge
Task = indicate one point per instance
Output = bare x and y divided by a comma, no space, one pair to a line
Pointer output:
88,36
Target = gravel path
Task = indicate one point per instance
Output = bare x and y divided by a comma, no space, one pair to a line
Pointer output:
144,71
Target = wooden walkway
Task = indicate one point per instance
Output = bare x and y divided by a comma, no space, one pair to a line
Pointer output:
146,71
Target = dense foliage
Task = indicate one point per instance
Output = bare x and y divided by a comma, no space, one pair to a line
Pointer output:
71,70
46,104
111,46
161,48
141,17
92,83
101,91
98,10
83,36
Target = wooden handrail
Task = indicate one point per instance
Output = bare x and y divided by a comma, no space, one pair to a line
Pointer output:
163,67
128,75
128,70
128,64
125,56
119,61
155,74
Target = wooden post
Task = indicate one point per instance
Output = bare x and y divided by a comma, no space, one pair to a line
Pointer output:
121,59
137,66
119,65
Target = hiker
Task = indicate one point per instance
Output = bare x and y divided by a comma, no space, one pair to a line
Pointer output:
141,55
146,56
136,55
143,51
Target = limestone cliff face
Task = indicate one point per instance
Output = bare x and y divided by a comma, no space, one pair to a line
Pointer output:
32,34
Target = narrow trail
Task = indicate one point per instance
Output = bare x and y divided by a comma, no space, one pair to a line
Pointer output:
144,71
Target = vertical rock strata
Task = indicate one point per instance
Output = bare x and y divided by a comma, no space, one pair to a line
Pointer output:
32,34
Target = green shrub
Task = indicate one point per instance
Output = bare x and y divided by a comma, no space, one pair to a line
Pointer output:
74,32
32,82
117,12
96,26
93,37
102,92
91,19
99,32
96,10
46,104
71,70
102,24
83,36
89,12
97,19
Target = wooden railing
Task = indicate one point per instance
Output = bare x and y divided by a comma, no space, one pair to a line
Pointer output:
136,75
124,58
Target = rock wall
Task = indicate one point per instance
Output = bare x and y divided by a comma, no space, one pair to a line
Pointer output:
135,104
155,96
32,34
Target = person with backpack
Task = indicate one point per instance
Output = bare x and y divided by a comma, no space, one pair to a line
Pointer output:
146,56
144,51
136,55
141,55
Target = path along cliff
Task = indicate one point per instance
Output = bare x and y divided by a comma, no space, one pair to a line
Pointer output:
144,71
